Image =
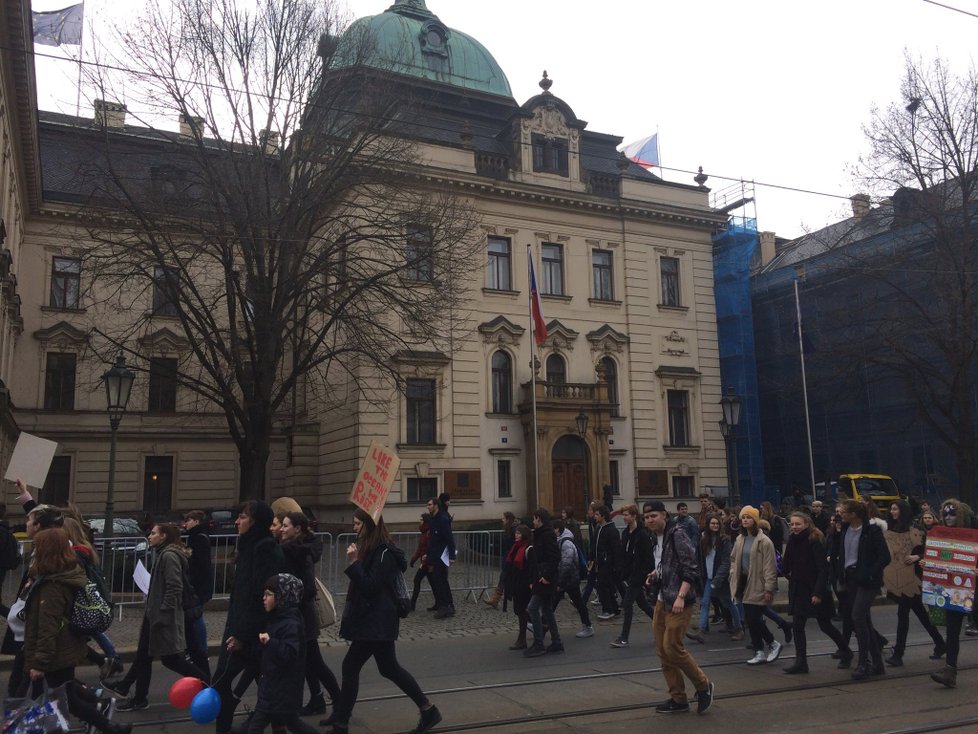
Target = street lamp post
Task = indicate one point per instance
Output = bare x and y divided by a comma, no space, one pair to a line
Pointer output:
581,421
731,404
118,384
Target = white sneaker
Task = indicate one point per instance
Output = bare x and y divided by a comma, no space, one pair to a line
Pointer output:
759,657
585,631
595,602
774,652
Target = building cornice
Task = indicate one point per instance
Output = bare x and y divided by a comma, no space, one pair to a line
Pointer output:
19,58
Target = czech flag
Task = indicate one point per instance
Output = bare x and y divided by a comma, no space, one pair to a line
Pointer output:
536,309
645,152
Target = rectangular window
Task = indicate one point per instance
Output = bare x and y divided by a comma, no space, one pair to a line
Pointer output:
683,487
419,255
162,385
158,484
421,489
499,264
669,269
65,282
602,275
421,411
58,483
615,477
164,284
553,269
678,403
59,381
503,480
549,155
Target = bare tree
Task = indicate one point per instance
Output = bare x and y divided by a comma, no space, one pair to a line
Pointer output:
285,233
916,258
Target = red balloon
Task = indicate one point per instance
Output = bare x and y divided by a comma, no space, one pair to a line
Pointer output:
182,692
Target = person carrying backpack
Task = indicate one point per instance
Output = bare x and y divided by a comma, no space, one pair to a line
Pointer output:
569,576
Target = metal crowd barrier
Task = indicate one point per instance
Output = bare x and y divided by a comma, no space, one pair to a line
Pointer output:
476,568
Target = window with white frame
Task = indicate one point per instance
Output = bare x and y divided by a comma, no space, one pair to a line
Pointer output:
502,382
65,282
500,264
504,485
552,257
669,272
419,254
678,412
420,398
602,275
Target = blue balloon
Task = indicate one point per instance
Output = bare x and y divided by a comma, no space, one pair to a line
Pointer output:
205,706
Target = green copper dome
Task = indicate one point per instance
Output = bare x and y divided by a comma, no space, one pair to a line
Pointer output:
409,39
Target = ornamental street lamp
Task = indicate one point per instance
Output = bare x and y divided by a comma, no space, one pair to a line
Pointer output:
581,420
118,384
731,404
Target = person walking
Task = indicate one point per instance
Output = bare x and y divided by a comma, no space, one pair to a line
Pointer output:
162,634
200,571
420,551
672,584
569,577
520,568
257,557
715,550
302,551
441,555
506,542
860,557
807,569
283,650
51,650
546,556
607,561
902,579
753,581
371,622
636,564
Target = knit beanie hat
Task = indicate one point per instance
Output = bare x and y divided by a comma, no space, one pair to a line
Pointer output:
752,511
287,589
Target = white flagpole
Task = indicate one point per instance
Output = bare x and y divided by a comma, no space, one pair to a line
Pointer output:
533,373
804,387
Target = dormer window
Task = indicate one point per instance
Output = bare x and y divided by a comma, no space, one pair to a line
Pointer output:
549,155
434,37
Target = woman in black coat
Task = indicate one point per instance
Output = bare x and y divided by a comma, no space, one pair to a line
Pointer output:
302,551
806,567
371,621
521,570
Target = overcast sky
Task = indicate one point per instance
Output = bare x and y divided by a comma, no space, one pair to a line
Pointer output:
770,91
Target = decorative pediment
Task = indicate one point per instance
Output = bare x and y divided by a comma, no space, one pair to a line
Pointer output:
62,333
560,337
501,331
607,339
163,341
676,376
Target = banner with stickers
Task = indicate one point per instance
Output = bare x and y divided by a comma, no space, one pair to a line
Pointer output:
950,558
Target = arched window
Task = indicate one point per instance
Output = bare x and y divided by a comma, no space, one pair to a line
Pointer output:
556,369
502,383
611,377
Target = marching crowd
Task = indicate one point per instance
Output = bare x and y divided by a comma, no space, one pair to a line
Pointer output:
684,572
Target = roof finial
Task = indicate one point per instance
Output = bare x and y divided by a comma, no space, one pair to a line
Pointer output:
700,178
546,83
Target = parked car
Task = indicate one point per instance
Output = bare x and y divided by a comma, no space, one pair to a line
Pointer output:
222,522
122,527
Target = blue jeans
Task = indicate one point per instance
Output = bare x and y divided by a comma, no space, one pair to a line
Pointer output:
541,609
105,643
723,595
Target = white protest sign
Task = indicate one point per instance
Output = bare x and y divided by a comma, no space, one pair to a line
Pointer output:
31,460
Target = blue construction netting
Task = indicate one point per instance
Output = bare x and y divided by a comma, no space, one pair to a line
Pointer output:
733,250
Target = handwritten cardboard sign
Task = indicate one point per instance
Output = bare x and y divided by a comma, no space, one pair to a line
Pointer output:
31,460
375,479
950,557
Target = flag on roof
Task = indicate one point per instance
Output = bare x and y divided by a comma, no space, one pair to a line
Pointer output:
645,152
536,309
59,27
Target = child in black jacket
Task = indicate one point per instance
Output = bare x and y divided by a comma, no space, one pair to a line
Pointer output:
282,659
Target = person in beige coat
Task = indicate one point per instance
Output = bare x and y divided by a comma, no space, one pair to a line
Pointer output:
753,581
902,582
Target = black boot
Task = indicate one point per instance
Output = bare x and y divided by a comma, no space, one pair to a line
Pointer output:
799,666
430,717
315,707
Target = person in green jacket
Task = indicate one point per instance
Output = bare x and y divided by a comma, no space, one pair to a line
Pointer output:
51,649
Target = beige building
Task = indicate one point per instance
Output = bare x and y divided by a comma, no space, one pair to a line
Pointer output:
623,265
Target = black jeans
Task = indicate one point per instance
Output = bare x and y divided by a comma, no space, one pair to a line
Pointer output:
606,589
633,595
541,610
823,616
861,604
439,584
292,722
954,622
141,670
247,663
760,635
420,575
386,658
81,700
905,605
574,594
318,672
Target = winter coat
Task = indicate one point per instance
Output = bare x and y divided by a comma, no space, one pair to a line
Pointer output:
422,549
200,570
899,578
10,646
807,570
871,558
637,560
301,556
257,558
568,570
720,578
679,562
761,573
547,556
283,663
164,603
440,537
607,548
49,644
370,612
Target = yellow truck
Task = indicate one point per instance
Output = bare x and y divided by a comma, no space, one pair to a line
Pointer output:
881,489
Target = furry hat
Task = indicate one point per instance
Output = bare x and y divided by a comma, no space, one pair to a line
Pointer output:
752,511
287,589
